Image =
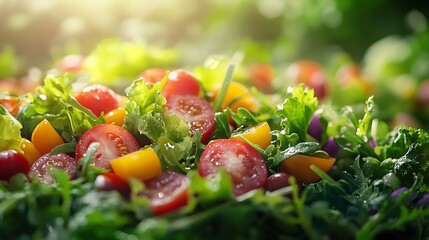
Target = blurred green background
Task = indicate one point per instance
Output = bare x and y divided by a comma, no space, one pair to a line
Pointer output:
41,30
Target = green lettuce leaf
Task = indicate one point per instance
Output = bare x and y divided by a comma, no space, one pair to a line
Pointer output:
297,110
54,102
146,118
10,131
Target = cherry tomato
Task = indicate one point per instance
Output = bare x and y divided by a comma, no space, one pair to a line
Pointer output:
12,104
142,164
98,99
167,192
41,169
277,181
259,134
181,82
12,163
311,74
261,76
45,137
242,162
153,75
195,111
116,117
299,167
237,96
112,182
114,142
29,150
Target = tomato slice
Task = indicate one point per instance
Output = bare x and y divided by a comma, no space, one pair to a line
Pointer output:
98,99
114,142
41,168
245,165
12,163
166,192
195,111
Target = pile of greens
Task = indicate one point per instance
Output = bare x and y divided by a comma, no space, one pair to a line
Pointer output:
357,199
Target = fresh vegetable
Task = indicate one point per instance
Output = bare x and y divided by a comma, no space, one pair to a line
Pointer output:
166,192
29,150
114,142
42,169
195,112
259,134
143,164
112,182
12,163
98,98
244,164
237,96
45,137
115,116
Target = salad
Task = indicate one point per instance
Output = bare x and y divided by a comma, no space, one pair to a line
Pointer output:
207,152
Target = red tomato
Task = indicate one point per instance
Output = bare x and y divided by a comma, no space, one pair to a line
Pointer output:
195,111
114,142
181,82
71,63
166,192
41,167
245,165
261,76
12,163
153,75
311,74
98,99
277,181
112,182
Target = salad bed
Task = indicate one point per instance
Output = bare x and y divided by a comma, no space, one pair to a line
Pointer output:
242,156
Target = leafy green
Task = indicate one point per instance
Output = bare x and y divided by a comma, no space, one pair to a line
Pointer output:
296,111
10,131
146,118
115,62
54,102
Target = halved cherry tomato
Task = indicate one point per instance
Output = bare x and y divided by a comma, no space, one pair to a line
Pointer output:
98,99
311,74
153,75
194,111
259,134
114,142
261,76
242,162
12,163
29,150
112,182
237,96
299,167
45,137
41,169
115,117
167,192
143,164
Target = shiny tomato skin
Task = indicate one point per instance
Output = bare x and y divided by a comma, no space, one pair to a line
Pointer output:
277,181
153,75
41,167
243,163
98,99
194,111
114,142
112,182
166,192
12,163
181,82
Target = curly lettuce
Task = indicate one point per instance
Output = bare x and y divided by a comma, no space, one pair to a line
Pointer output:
10,131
